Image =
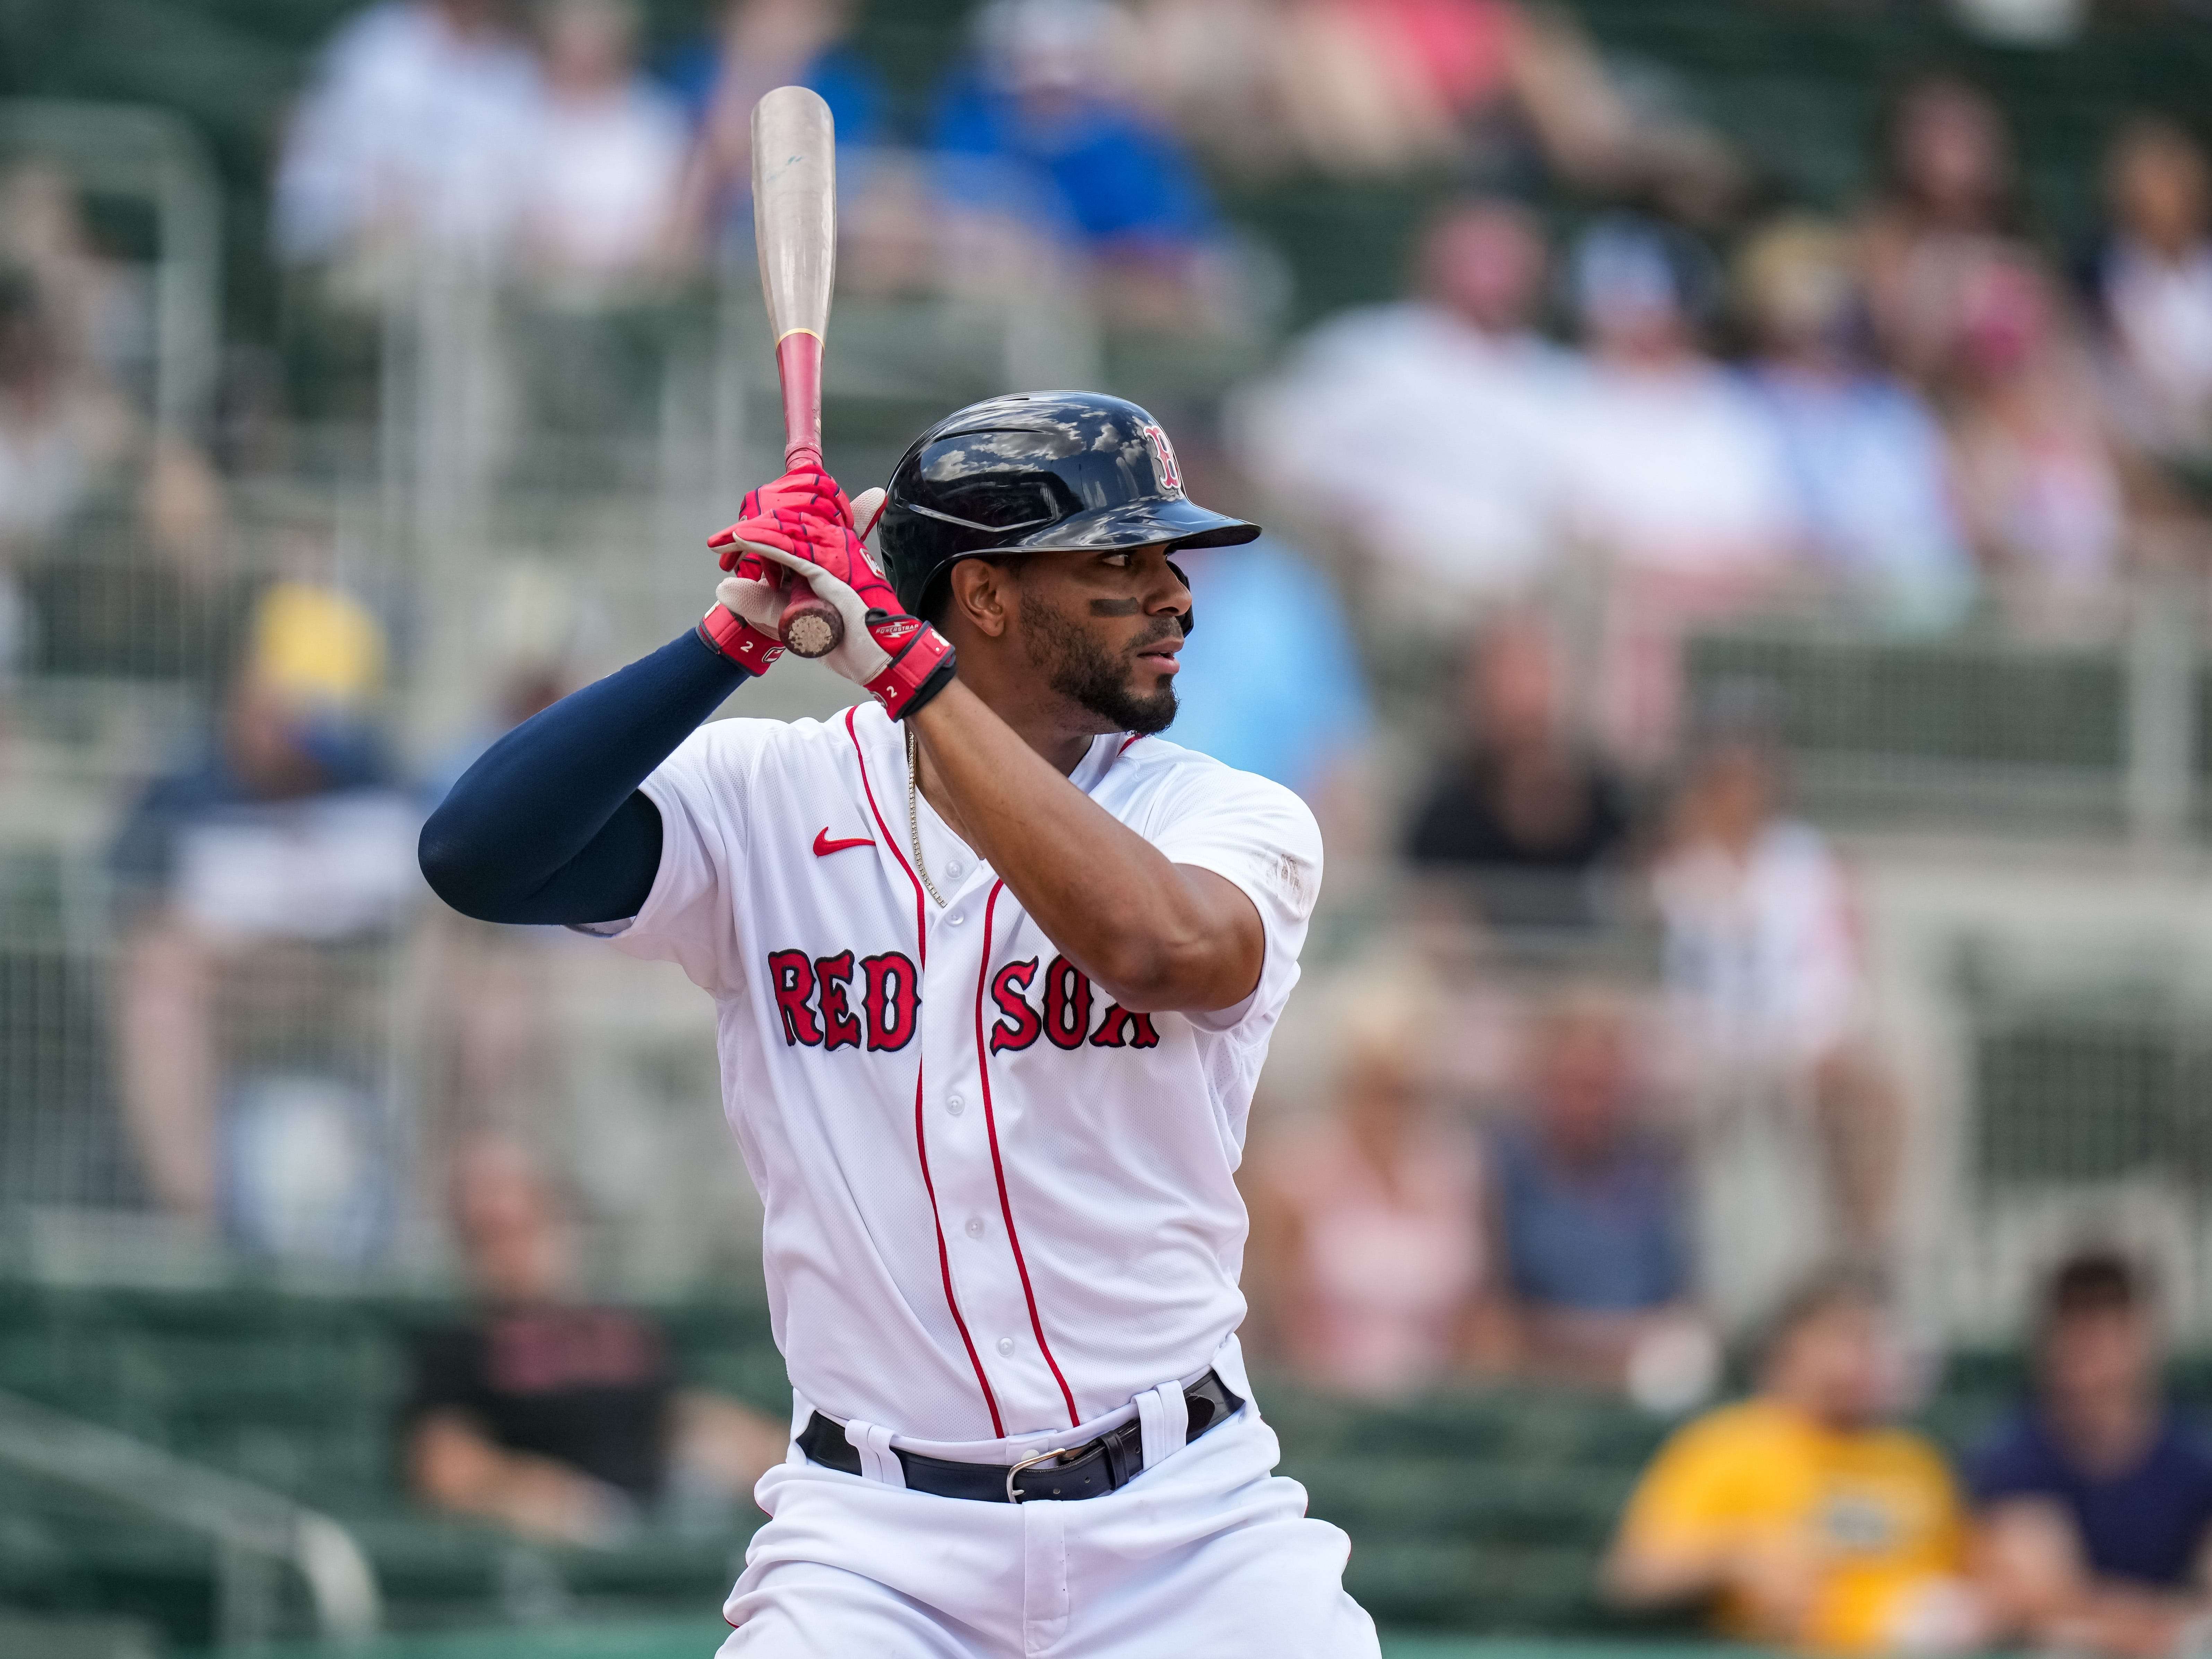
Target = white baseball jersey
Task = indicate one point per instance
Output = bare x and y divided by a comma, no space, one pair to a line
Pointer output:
997,1203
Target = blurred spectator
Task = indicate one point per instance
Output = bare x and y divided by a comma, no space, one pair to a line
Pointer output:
1363,89
416,129
1037,130
1949,190
1798,1517
59,430
1677,480
2040,477
1672,468
239,875
2096,1498
100,313
1355,89
1521,807
1763,956
494,1034
1590,1215
1867,463
2153,282
1275,686
558,1419
1429,433
1367,1241
598,198
758,45
2023,22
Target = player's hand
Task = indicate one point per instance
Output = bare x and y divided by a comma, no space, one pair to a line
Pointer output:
746,625
805,489
899,659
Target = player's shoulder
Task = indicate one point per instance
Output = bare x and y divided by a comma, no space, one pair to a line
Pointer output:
1157,760
745,743
1167,776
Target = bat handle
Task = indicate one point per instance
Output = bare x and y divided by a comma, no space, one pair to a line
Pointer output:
810,625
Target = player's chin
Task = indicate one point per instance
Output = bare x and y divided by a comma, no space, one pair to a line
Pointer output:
1152,704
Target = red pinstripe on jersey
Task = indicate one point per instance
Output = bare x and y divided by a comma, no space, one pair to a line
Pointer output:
998,1169
921,1138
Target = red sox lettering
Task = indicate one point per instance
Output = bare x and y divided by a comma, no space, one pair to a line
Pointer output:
813,996
814,1001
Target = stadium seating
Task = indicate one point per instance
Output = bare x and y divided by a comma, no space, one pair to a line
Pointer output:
1478,1512
1760,70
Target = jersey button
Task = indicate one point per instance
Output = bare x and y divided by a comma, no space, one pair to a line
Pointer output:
974,1227
956,917
956,1105
1005,1345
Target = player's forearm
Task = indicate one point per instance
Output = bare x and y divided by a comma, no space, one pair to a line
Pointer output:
1150,933
548,825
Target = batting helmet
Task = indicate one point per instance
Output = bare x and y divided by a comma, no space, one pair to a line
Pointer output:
1041,472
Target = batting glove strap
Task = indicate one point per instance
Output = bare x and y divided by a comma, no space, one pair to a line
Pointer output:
732,636
921,663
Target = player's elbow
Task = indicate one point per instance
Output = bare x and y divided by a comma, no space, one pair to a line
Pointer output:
457,869
1150,974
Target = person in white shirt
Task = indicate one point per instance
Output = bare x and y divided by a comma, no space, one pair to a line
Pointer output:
2153,278
995,967
414,130
599,199
1765,966
1681,514
1671,469
1431,432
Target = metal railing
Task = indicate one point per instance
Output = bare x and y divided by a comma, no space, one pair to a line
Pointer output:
255,1531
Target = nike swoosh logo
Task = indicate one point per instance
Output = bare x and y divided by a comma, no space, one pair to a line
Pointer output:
824,847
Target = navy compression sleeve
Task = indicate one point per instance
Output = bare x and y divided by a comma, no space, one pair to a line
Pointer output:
548,826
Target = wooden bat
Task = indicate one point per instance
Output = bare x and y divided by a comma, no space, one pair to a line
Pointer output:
795,227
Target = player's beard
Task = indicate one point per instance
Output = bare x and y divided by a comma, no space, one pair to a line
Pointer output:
1083,671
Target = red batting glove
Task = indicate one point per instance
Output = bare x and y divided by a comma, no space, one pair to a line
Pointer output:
747,634
898,659
805,489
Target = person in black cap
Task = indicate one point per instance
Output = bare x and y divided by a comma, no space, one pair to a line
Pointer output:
996,969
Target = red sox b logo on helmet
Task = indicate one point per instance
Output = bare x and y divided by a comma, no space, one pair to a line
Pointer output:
1163,458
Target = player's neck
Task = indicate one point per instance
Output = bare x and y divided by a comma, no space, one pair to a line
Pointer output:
1041,722
1056,726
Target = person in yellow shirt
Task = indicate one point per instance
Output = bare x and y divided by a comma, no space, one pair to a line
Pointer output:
1799,1516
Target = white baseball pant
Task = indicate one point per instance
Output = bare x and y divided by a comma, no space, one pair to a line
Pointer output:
1207,1553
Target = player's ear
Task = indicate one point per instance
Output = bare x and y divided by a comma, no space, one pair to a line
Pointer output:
982,597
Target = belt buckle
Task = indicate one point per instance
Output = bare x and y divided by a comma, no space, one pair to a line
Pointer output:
1013,1497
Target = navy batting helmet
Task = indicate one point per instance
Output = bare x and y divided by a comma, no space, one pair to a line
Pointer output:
1036,472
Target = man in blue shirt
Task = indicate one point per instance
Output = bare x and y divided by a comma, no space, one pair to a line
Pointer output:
1590,1212
1034,131
1283,694
2096,1499
754,45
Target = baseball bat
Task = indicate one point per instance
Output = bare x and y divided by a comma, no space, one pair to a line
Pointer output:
795,227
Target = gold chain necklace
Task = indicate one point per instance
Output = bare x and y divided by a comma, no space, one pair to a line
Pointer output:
914,812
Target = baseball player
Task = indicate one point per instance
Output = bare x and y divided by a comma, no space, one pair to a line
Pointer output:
995,969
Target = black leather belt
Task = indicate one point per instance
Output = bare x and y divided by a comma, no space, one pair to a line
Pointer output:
1090,1470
